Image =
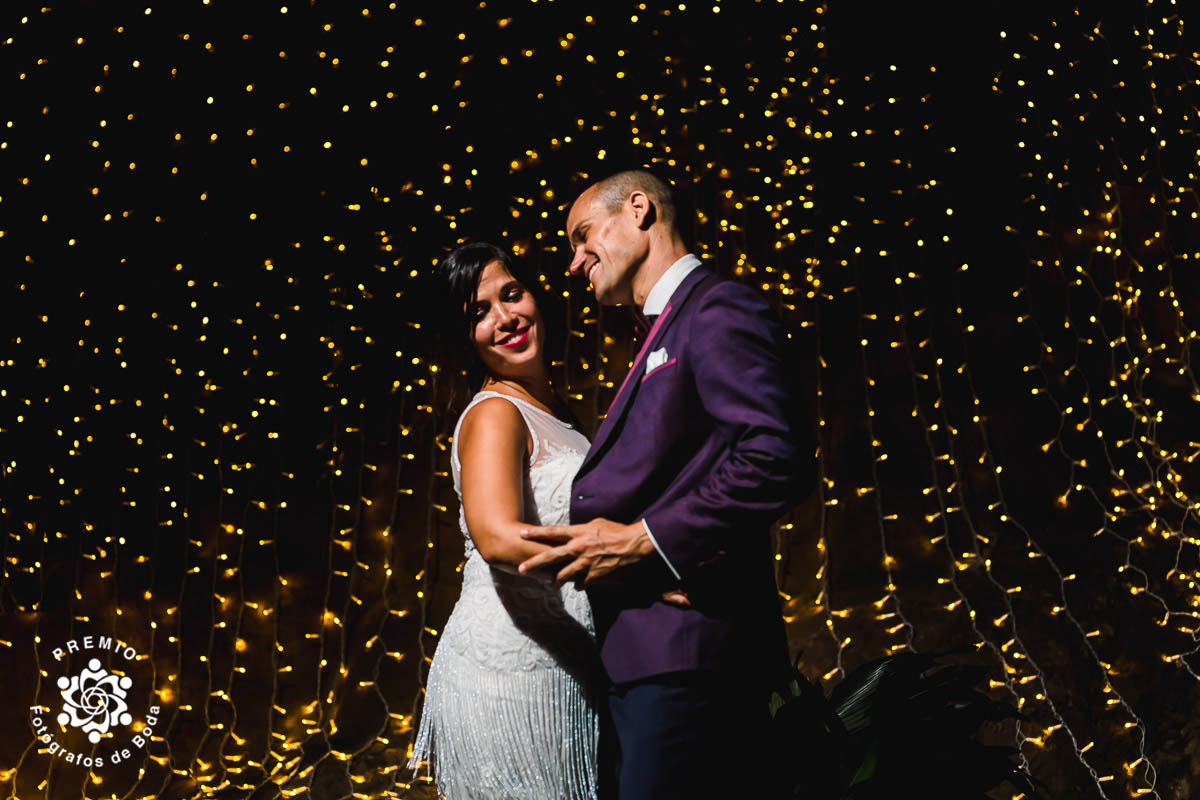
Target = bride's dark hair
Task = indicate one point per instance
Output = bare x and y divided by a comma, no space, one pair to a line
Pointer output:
459,271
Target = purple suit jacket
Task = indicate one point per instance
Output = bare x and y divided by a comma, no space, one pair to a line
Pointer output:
706,447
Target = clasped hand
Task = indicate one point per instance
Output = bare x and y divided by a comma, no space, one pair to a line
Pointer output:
592,552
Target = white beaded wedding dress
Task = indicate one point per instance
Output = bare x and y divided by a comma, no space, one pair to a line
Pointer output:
515,684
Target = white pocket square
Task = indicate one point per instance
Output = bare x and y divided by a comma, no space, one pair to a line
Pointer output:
655,359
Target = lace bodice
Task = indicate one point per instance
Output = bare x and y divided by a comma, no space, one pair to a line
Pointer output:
558,451
514,621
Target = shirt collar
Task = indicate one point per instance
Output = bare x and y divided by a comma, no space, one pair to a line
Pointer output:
661,292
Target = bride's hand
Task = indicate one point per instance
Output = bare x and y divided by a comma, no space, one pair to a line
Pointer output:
677,598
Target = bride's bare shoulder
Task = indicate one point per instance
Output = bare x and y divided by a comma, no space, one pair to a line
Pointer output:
490,425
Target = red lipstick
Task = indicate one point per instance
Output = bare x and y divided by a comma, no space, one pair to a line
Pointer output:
516,339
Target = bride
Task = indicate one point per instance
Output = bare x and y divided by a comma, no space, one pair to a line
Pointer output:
515,685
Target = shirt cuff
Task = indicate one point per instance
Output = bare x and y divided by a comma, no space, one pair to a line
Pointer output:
666,560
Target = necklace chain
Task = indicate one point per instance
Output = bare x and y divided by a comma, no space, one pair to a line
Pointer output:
554,410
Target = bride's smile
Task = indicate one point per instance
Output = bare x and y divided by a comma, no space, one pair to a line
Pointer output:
516,338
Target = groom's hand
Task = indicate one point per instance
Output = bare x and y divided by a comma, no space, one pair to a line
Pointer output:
593,552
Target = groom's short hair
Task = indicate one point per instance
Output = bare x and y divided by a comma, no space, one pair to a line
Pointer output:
614,190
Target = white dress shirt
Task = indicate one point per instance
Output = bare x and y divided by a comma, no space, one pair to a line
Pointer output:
667,283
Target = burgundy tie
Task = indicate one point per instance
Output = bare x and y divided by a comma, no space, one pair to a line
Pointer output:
641,325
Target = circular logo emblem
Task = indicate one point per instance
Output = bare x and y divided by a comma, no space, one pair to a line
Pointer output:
95,701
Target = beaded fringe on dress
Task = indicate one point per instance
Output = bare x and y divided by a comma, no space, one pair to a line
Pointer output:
531,761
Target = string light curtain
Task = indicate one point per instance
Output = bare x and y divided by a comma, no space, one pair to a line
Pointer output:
225,418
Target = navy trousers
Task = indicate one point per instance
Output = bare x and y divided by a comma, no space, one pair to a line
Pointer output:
688,735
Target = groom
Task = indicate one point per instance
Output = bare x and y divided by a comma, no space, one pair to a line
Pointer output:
699,454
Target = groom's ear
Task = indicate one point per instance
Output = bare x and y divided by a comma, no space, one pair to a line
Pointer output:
643,207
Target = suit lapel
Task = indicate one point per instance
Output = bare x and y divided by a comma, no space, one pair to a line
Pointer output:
616,412
652,336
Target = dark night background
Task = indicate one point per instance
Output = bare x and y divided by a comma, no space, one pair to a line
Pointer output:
225,411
